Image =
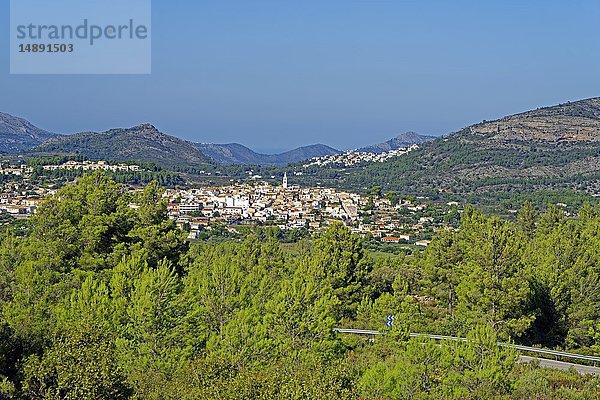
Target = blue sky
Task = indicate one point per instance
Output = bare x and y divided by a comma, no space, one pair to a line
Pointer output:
276,74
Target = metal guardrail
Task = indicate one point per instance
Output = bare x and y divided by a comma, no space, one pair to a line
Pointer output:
555,353
358,331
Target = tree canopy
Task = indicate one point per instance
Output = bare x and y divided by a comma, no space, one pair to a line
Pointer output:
104,299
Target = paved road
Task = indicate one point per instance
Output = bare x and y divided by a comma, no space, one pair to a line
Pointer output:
582,369
543,362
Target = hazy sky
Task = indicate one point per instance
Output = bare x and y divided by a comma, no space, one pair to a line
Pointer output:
277,74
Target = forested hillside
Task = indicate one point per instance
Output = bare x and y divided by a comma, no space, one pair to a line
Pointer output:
552,148
104,299
142,143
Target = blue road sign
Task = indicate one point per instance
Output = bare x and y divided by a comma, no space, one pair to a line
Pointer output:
389,321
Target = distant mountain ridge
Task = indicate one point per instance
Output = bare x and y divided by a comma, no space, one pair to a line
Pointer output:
145,143
17,134
403,140
141,143
235,153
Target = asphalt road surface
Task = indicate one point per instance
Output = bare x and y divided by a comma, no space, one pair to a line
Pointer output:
582,369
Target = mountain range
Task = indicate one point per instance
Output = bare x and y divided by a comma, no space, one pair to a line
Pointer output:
146,143
234,153
549,148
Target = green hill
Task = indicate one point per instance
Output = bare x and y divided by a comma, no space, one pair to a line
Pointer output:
549,148
139,143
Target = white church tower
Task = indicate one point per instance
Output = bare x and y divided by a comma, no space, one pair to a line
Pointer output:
285,183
